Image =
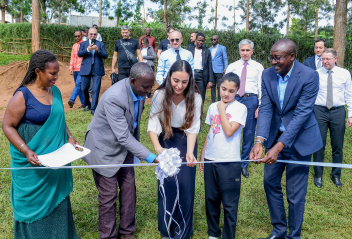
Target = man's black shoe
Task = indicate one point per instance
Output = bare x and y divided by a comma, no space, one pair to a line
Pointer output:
86,108
318,182
70,103
272,237
245,173
92,112
336,181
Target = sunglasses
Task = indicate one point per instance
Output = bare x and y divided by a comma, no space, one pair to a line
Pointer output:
278,58
77,36
213,39
175,40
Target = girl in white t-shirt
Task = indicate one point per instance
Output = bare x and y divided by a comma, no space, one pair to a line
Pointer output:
226,119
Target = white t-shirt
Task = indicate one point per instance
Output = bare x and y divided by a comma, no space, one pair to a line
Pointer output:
198,64
144,52
219,147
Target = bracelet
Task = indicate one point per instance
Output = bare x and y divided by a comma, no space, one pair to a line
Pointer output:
260,142
70,136
21,147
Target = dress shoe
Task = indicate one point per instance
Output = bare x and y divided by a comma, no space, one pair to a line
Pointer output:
70,103
82,106
86,108
336,181
272,237
126,237
318,182
245,173
92,112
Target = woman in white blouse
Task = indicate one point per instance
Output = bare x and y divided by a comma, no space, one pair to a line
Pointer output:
174,122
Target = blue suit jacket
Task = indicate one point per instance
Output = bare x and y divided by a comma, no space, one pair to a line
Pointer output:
220,62
310,62
86,66
297,113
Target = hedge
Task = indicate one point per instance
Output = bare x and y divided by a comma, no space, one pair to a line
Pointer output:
59,39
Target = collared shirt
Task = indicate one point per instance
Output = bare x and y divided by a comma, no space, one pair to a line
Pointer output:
341,87
168,58
136,99
75,62
151,41
99,37
317,60
213,51
254,75
281,88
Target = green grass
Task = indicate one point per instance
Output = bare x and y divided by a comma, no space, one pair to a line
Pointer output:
8,58
327,213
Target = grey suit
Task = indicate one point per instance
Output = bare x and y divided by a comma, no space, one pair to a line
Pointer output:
113,140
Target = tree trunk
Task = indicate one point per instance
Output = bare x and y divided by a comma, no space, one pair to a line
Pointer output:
100,12
59,15
216,15
44,11
288,19
3,11
21,20
247,17
118,15
165,13
143,14
234,16
35,25
340,28
316,23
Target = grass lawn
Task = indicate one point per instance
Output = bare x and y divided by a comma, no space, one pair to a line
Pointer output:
8,58
327,213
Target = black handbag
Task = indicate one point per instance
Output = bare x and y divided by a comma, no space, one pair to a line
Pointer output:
131,57
114,78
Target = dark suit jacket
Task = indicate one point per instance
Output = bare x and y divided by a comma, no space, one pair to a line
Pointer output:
207,64
86,66
111,133
310,62
297,115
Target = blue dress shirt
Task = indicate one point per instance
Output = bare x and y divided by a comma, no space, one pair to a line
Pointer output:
137,98
281,88
168,58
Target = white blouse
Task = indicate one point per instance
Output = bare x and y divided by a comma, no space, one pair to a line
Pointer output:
178,114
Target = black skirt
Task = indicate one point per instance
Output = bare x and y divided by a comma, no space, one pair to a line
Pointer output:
183,215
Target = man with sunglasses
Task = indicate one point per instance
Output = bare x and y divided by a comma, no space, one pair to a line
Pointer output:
175,53
75,66
288,130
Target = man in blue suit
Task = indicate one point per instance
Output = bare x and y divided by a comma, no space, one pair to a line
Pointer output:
288,130
315,61
93,53
220,63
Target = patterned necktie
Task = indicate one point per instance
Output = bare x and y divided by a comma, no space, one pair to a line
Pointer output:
319,63
329,97
243,80
178,57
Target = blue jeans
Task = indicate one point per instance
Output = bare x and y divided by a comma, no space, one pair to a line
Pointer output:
249,130
77,90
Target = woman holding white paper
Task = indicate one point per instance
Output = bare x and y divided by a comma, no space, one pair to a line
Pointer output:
34,123
174,122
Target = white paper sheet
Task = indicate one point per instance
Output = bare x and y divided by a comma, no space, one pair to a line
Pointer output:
64,155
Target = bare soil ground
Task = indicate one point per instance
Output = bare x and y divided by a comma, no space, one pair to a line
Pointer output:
12,75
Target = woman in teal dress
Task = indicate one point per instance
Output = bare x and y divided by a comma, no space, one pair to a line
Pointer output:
34,123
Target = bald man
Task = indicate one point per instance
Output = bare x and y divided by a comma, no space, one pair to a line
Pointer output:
288,130
168,57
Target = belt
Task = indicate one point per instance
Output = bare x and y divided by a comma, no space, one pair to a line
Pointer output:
198,71
248,95
332,108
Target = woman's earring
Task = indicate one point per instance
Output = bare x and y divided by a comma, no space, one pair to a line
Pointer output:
37,77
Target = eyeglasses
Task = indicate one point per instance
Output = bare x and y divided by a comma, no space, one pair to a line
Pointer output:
175,40
214,39
93,34
77,36
278,58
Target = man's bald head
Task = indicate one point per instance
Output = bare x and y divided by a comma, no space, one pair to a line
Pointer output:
285,45
141,79
175,39
282,55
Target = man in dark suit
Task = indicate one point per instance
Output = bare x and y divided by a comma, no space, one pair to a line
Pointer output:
315,61
203,68
113,137
93,53
289,131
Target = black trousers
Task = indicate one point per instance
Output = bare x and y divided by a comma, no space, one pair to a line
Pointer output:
222,185
124,73
217,78
202,86
334,120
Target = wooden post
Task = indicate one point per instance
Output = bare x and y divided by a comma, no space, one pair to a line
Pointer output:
340,28
165,13
2,11
35,25
100,12
247,17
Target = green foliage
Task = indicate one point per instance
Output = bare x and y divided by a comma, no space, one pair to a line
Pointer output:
201,8
54,36
5,59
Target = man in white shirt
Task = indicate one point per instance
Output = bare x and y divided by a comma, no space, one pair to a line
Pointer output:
168,57
315,61
335,91
249,94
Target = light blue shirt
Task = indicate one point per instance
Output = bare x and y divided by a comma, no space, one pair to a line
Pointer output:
281,88
137,98
168,58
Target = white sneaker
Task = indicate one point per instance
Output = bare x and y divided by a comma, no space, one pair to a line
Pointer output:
210,237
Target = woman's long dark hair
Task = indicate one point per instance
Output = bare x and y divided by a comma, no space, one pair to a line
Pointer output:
39,60
145,41
189,92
